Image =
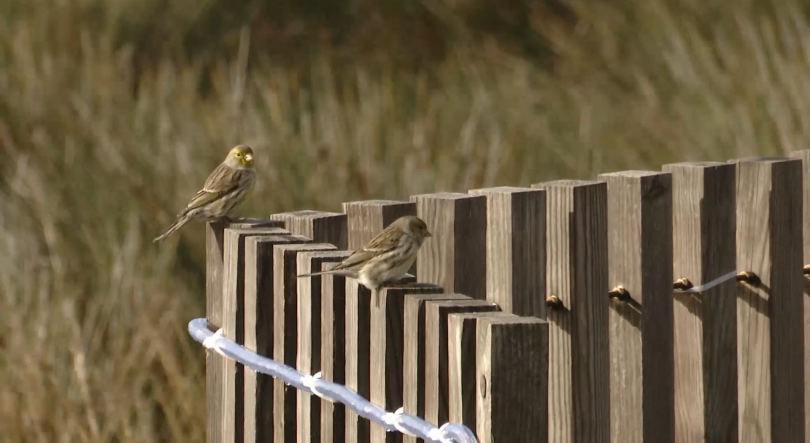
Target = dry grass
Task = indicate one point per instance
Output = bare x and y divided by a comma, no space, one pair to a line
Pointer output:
99,152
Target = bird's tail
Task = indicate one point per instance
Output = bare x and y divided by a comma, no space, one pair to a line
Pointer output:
342,272
177,225
316,273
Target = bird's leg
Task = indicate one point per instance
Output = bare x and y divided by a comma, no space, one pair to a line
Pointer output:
375,294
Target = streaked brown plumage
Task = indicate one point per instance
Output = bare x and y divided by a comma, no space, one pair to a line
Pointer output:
224,189
387,257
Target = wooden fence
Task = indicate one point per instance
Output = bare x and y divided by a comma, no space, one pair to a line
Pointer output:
559,313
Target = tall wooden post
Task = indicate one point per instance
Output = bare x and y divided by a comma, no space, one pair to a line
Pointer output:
640,270
769,300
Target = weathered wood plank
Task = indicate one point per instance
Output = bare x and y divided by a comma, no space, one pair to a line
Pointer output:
577,275
512,374
333,352
516,249
387,351
455,257
215,363
414,341
705,324
641,348
259,287
461,355
309,337
804,156
321,227
214,232
358,355
769,314
233,324
436,354
285,333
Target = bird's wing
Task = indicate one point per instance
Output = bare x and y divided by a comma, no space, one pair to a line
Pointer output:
358,258
382,243
222,181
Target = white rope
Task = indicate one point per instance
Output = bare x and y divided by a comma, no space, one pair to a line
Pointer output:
314,384
709,285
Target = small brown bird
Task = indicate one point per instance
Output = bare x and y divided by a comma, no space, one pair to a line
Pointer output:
224,189
387,257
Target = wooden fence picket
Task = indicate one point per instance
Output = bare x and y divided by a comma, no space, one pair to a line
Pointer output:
705,324
577,312
640,271
516,249
455,257
769,300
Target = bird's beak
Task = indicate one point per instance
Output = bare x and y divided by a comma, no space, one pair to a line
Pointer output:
249,157
428,234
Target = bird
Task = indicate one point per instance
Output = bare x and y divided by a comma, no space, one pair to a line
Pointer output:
385,258
224,189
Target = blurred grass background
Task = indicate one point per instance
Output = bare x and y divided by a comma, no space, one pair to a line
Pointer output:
112,113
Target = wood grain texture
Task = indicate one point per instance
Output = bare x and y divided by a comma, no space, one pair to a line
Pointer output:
705,324
455,257
358,355
414,342
214,232
285,333
387,351
577,273
259,287
512,374
321,227
769,315
333,352
641,347
461,356
437,392
804,156
233,325
310,336
516,249
215,363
